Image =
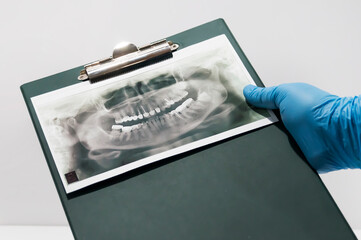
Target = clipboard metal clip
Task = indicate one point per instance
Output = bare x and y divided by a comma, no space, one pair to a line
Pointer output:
127,57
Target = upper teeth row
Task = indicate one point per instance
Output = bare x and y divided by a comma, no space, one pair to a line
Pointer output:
168,104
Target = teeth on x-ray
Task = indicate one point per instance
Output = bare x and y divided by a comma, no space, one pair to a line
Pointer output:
117,127
142,113
127,129
184,105
168,103
154,123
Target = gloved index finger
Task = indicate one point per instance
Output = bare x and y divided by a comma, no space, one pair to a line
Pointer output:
261,97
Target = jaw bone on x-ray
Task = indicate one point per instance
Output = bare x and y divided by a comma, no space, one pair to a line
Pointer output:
149,113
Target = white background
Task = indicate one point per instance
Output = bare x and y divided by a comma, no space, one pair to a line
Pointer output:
318,42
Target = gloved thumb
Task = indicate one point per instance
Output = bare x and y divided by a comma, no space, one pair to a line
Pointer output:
261,97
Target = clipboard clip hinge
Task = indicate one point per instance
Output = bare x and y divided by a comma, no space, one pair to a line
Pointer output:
127,57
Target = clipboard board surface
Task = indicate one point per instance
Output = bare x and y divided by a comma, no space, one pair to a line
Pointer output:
254,186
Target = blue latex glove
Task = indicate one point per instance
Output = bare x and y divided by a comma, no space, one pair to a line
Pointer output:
326,127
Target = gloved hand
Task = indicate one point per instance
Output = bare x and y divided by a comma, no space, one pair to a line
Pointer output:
326,127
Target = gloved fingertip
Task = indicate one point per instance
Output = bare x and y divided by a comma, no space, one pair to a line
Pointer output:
260,97
247,90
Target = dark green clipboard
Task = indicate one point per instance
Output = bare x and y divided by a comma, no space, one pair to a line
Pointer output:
253,186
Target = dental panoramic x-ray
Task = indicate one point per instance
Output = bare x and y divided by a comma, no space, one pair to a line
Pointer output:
171,107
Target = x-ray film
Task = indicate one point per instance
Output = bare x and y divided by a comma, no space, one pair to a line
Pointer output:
97,131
